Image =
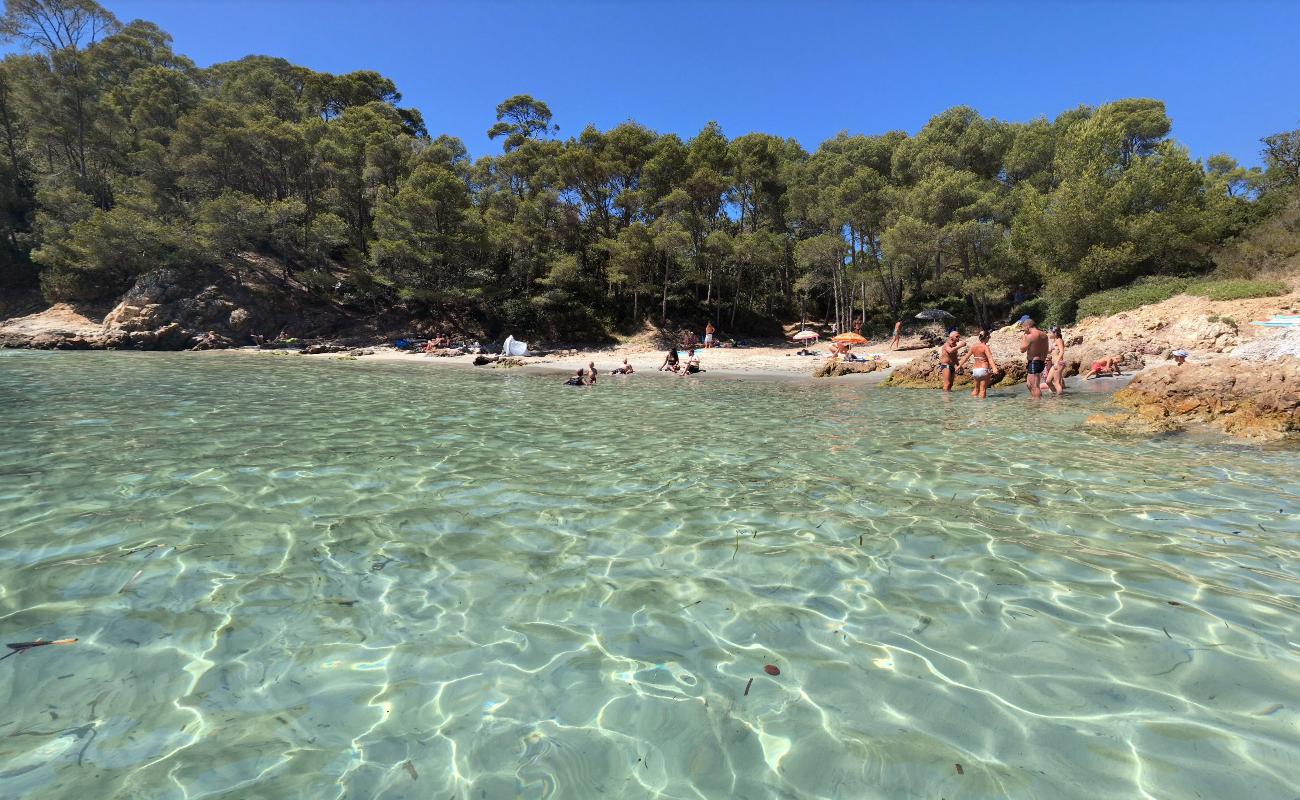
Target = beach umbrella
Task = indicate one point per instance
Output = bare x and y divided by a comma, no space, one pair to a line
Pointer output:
850,338
803,336
934,314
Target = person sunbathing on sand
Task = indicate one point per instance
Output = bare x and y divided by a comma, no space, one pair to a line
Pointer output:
1107,367
626,369
692,364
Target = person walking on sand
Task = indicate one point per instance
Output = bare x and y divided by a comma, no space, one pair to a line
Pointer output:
898,335
1033,343
1056,375
948,355
984,366
709,330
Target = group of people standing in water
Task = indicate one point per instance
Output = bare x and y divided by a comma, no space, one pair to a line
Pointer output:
1044,360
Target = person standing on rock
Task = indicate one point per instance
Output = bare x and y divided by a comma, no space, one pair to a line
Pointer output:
1056,375
948,355
898,335
1033,343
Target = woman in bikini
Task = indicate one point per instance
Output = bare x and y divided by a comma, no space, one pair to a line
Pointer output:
984,367
1056,375
670,361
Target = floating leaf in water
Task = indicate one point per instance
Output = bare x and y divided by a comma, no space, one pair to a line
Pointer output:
23,647
772,669
751,683
960,771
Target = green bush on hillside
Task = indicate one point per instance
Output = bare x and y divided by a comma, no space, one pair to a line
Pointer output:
1236,289
1154,290
1142,292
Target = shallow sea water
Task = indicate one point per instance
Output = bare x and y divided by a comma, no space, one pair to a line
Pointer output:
364,580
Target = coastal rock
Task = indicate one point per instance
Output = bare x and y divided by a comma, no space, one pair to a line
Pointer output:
506,362
1132,424
923,372
831,368
47,329
211,341
480,360
1260,400
323,347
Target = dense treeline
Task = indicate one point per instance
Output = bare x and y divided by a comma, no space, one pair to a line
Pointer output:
121,156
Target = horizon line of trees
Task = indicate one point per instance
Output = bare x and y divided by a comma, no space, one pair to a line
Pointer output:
121,156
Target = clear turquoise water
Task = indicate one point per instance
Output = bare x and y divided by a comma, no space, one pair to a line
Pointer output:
357,580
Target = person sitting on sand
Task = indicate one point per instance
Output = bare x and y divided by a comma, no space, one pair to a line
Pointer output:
984,367
576,380
898,335
1033,343
1107,367
441,340
692,363
948,353
670,361
1179,357
626,369
1056,373
839,349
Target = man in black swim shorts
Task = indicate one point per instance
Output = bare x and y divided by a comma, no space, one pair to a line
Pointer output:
1034,344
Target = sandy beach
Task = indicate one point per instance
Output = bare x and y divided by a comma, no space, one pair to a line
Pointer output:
760,363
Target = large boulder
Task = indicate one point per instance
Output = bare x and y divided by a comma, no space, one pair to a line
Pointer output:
1260,400
833,368
923,372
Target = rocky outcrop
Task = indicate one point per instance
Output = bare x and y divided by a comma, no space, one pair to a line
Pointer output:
923,372
832,368
1259,400
58,327
177,309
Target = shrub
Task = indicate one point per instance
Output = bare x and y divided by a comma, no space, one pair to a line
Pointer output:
1236,289
1037,309
1141,292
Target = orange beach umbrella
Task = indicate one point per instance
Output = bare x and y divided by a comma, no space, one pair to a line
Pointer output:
850,338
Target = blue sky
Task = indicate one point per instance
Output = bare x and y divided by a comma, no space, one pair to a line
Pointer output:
1226,70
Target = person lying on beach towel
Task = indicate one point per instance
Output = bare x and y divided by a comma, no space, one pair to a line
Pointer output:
626,369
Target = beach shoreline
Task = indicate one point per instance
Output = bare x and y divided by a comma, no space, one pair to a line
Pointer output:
747,364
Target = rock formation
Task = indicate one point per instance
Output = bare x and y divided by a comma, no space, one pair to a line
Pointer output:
1244,398
832,368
